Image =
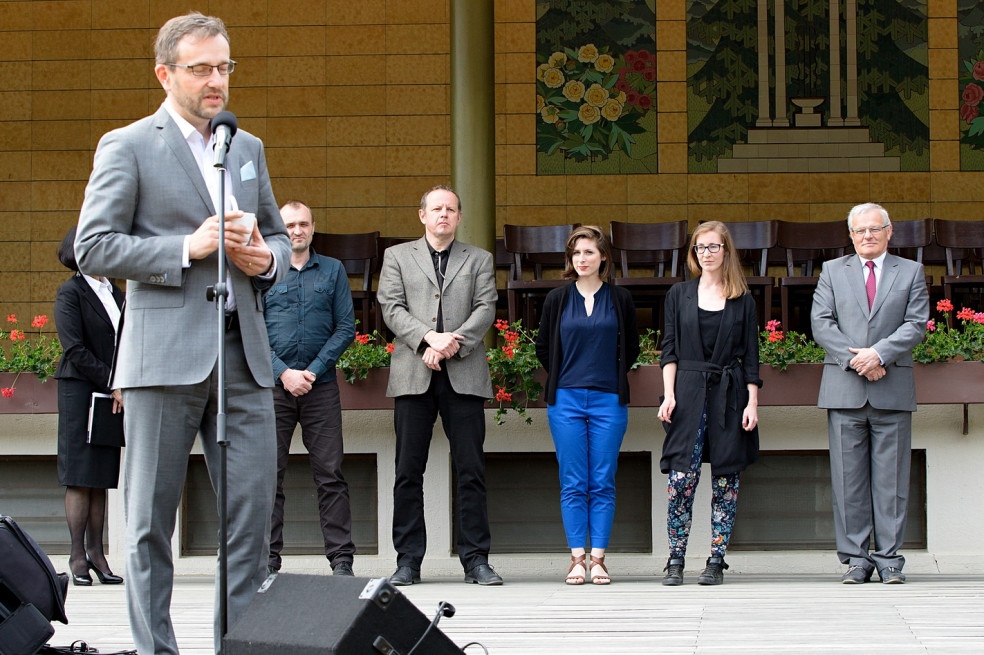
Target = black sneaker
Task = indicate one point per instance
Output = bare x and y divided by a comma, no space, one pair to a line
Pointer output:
674,572
713,573
856,574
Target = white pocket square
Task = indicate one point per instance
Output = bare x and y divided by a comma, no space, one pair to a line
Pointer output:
247,172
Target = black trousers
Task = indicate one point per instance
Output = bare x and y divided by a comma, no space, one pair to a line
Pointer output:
320,414
463,418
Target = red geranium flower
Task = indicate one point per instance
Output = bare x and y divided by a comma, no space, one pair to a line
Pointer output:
39,321
11,318
773,325
776,336
944,305
389,347
7,392
965,314
501,325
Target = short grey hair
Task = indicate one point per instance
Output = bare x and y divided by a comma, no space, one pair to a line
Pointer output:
857,210
441,187
193,24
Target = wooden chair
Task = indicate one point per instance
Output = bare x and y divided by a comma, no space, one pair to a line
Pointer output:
358,254
910,239
655,245
964,245
807,246
536,247
753,240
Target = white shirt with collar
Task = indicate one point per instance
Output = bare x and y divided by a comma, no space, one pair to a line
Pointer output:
104,291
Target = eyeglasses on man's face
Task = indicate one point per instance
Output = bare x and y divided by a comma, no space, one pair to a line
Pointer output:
875,231
205,70
712,248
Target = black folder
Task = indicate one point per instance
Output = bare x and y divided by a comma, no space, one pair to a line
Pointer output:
105,427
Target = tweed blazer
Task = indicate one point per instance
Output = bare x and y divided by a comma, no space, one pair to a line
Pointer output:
894,325
409,295
145,194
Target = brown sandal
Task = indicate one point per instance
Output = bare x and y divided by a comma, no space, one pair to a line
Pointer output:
599,578
575,579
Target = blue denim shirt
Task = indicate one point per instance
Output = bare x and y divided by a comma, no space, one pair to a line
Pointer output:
310,318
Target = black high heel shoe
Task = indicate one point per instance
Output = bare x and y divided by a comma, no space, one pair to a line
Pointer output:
104,578
84,580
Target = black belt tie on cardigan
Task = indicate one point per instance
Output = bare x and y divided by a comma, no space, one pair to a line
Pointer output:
728,379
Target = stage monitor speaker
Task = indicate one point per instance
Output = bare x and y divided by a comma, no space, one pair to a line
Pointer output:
328,615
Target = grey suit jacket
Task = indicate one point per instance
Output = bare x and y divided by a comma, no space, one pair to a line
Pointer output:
893,326
145,194
409,295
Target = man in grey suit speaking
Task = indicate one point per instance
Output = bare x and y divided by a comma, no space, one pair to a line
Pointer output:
438,297
869,311
150,215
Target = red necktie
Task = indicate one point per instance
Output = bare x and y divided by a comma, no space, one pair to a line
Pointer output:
870,284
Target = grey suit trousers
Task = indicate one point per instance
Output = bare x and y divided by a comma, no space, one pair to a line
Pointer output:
870,460
161,426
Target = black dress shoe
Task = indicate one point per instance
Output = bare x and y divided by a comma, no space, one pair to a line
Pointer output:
484,575
84,580
343,568
891,575
405,576
104,578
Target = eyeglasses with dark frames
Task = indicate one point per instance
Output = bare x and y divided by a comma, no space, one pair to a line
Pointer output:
205,70
712,248
875,231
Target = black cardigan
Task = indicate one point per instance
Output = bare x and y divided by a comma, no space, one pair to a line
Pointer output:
548,346
721,381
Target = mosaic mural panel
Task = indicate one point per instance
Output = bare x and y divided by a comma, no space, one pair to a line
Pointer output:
805,106
596,87
970,44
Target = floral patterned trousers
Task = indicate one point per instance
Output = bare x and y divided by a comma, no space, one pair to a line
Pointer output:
681,488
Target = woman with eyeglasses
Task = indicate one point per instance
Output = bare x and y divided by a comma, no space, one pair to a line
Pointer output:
587,342
711,382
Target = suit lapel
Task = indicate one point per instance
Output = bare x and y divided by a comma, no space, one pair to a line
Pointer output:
854,273
423,259
93,301
890,273
456,261
179,147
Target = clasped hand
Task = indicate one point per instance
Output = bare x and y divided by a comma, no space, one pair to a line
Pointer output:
253,259
867,363
440,345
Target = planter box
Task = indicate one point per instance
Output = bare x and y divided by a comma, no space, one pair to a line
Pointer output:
365,394
30,395
945,383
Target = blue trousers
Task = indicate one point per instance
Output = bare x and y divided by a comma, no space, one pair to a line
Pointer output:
587,428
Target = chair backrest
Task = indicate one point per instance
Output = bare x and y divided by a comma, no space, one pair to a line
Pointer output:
910,238
810,244
963,241
753,240
357,252
658,244
536,245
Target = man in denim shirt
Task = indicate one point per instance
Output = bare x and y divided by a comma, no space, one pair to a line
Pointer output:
311,322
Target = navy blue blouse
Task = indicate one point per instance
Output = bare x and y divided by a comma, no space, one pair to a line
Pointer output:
589,343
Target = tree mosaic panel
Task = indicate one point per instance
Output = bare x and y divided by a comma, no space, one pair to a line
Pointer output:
595,87
805,106
970,44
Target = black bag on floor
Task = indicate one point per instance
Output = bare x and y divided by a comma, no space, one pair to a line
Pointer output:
32,595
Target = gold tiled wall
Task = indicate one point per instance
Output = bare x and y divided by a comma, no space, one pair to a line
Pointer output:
352,101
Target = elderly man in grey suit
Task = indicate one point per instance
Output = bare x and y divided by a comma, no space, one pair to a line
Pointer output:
869,311
438,297
150,215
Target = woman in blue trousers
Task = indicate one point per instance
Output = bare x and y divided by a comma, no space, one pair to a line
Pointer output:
587,342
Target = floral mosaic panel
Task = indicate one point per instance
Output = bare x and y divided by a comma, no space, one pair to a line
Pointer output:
970,42
596,87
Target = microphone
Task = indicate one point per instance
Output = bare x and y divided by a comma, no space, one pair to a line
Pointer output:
223,126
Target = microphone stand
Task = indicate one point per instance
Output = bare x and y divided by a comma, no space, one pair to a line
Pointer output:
218,293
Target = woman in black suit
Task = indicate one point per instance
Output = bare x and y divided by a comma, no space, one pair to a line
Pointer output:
711,382
87,315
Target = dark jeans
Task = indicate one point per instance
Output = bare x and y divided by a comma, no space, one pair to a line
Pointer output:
319,413
463,418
